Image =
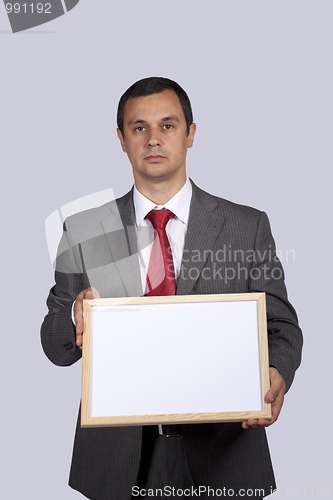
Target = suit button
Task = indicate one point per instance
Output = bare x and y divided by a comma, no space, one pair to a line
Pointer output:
68,346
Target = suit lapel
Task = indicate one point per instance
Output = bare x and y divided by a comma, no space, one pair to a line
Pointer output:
120,233
204,226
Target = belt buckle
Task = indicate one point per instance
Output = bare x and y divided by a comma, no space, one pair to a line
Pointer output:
162,431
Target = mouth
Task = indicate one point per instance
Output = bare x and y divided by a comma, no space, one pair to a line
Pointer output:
154,158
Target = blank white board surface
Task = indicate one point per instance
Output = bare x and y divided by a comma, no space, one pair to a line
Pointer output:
174,358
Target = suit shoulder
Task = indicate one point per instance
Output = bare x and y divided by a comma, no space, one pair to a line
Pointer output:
226,207
88,223
85,217
237,209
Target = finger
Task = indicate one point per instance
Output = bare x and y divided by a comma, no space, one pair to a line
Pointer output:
79,340
262,422
252,422
91,293
276,406
78,313
87,294
95,293
277,385
79,332
78,316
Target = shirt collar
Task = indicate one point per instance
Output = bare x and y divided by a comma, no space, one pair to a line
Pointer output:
178,204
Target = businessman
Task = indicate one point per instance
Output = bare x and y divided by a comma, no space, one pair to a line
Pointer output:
168,236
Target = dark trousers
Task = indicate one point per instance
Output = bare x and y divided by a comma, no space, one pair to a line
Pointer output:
164,472
163,467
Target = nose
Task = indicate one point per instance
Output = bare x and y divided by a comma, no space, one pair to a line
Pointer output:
154,138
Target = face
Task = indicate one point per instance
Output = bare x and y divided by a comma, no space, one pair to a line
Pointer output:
155,137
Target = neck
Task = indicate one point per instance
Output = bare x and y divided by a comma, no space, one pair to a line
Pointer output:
160,192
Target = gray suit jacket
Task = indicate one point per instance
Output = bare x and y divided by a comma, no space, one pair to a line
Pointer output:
229,248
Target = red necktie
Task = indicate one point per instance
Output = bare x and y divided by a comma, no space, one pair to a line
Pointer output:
161,273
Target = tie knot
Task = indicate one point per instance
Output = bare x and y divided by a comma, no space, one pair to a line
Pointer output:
159,218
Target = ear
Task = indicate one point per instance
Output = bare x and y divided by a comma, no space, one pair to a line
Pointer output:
122,142
190,137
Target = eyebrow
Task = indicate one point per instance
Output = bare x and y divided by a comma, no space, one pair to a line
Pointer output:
135,122
165,119
170,118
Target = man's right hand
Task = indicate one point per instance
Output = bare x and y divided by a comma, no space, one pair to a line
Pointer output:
88,294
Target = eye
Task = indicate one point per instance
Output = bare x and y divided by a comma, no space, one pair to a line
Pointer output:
140,129
168,126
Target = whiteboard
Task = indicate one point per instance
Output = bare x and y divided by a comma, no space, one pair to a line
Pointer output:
174,359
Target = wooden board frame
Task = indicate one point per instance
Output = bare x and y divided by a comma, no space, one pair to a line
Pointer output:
179,418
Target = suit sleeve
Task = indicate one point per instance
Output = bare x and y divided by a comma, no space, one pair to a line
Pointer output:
284,335
58,331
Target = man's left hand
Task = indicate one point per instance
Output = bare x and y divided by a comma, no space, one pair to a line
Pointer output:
275,395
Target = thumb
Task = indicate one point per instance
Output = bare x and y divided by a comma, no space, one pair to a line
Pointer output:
277,384
91,294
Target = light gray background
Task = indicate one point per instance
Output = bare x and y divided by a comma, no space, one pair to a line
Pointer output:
259,75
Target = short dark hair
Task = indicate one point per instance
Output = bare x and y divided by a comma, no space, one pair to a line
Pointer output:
154,85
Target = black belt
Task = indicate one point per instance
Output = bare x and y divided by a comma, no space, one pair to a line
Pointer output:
169,430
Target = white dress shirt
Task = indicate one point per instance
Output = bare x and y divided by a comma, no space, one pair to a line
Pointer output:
176,228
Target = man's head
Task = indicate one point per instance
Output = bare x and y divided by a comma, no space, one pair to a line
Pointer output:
154,85
155,133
